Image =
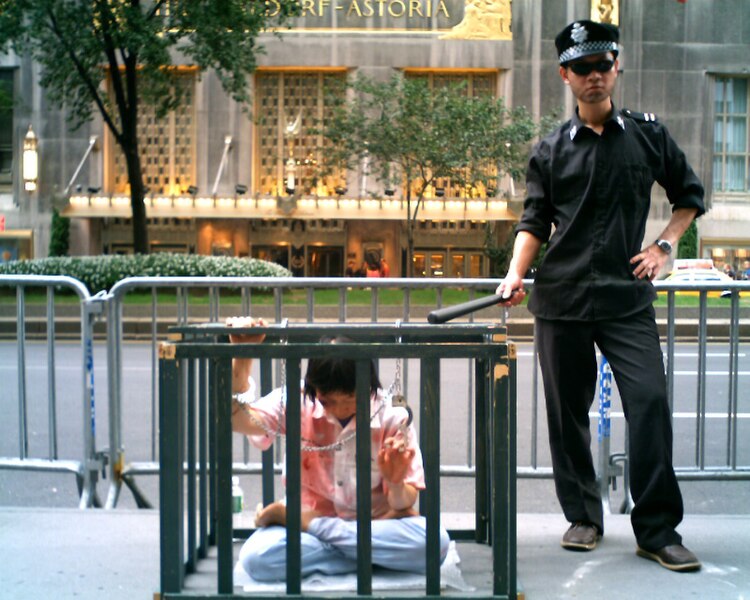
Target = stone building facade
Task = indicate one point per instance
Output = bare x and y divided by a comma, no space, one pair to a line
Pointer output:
217,177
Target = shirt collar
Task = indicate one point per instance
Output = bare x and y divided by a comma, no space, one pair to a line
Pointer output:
576,125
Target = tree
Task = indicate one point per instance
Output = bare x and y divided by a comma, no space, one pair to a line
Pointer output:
499,255
59,234
688,246
79,44
421,139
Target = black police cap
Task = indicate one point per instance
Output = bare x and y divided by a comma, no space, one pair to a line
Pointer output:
584,37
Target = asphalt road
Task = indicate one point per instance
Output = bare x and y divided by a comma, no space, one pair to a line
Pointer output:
23,488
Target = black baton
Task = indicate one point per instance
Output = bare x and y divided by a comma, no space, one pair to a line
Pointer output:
441,315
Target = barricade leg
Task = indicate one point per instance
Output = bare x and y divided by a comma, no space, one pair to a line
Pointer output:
171,444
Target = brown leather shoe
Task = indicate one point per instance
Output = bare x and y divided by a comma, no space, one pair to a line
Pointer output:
675,558
581,537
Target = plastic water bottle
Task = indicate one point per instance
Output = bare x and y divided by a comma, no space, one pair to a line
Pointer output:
238,499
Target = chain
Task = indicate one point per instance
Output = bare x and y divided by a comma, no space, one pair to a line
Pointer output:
336,446
282,404
394,390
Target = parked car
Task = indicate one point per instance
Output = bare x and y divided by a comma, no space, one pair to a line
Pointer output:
701,276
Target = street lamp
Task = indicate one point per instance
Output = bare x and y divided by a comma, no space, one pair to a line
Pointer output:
30,161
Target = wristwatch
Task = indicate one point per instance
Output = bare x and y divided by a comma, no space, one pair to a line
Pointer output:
665,246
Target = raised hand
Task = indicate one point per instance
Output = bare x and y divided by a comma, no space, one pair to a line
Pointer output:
245,322
394,459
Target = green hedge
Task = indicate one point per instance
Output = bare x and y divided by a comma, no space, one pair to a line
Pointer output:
102,272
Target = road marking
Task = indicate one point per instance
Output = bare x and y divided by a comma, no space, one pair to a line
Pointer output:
719,354
67,368
681,415
710,372
680,354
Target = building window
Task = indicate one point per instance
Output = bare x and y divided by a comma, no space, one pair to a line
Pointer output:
481,83
288,105
278,254
6,130
460,262
167,147
731,126
475,84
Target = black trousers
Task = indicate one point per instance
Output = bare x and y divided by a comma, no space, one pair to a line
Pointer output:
569,370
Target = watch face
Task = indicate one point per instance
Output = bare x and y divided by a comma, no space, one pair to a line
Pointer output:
665,245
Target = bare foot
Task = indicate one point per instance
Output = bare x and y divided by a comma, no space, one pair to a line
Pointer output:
273,514
400,514
307,516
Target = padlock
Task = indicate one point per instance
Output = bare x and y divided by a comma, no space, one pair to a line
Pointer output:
398,400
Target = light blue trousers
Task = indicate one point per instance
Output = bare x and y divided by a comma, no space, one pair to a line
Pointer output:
330,547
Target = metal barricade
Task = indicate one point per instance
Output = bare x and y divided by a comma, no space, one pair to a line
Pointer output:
87,466
196,451
722,330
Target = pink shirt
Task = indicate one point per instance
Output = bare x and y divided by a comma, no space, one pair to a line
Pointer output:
329,478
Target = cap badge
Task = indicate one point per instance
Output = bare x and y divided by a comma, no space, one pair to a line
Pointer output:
579,34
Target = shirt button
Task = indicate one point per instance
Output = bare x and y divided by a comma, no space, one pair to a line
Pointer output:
339,483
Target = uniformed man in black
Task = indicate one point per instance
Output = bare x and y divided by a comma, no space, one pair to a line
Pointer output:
588,194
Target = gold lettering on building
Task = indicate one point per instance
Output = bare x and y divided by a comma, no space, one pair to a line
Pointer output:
396,8
368,12
481,19
308,8
273,8
354,9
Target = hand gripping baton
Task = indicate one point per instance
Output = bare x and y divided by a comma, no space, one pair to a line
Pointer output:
441,315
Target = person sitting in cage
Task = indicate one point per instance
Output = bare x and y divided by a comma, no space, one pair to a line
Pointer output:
328,471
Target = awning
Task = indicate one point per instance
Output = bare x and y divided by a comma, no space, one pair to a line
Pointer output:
305,208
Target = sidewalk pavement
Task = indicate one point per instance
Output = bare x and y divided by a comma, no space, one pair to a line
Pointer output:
114,555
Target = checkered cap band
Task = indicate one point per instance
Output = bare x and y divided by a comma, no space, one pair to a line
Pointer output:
587,48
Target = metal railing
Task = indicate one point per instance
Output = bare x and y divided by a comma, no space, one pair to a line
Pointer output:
196,451
86,466
730,322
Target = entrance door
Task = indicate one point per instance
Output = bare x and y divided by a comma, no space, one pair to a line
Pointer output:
325,261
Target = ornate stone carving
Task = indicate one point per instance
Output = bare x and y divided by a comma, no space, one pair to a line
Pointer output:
483,20
605,11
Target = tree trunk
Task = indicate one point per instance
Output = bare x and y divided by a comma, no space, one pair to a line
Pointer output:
140,230
409,234
135,177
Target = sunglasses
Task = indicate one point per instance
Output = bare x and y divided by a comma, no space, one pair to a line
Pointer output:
585,68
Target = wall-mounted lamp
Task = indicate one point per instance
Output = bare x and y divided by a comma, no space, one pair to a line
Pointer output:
192,190
240,189
93,189
340,190
389,191
290,172
30,161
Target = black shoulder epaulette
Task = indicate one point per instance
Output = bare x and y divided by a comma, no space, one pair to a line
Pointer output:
639,116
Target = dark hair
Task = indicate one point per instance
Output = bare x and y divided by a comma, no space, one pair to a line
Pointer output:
335,374
372,258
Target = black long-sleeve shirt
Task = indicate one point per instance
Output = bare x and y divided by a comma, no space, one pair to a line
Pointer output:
596,191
